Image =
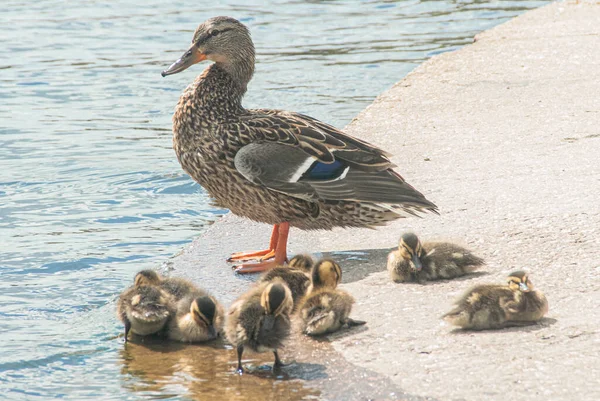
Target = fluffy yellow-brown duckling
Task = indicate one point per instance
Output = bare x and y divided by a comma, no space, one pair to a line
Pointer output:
199,318
260,320
147,277
413,261
327,308
302,262
498,306
296,276
144,309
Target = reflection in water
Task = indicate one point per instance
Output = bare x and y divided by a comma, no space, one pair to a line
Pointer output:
207,372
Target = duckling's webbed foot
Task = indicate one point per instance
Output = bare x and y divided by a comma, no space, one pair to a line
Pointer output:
351,322
240,351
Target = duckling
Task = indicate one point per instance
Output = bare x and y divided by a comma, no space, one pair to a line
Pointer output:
295,276
499,306
326,273
327,308
260,320
302,262
147,277
532,304
144,309
175,286
199,318
413,261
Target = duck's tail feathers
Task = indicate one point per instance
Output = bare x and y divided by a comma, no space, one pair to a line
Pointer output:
381,188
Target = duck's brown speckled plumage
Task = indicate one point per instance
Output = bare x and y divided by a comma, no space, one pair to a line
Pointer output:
210,127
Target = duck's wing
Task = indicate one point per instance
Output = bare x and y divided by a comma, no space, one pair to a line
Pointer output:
316,138
305,158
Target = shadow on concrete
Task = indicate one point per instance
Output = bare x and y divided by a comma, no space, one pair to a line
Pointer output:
357,265
515,327
342,333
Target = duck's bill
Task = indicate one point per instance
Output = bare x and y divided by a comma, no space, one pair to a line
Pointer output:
416,262
189,58
523,287
212,332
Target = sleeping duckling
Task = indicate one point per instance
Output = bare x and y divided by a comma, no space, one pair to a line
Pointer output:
174,286
260,320
199,318
327,308
413,261
498,306
295,276
144,309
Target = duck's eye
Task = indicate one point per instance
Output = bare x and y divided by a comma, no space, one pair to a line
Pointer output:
214,32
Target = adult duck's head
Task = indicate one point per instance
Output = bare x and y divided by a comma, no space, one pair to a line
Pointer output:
224,40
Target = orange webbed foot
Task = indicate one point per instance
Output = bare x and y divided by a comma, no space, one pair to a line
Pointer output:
255,255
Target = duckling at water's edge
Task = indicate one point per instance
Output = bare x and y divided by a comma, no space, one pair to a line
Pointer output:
260,320
144,309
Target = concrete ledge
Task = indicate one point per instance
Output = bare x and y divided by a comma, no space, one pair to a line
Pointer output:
504,135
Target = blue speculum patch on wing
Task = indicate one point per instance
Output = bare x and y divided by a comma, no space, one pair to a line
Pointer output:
324,171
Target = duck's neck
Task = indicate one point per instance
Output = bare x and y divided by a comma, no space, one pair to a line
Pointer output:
240,69
220,91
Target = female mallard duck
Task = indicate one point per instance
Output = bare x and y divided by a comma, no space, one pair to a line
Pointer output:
198,316
294,276
498,306
413,261
275,166
144,309
260,320
327,308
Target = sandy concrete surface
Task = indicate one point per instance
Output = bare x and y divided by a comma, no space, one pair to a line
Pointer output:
504,136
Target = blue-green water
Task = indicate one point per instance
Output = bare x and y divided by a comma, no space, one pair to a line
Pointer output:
90,188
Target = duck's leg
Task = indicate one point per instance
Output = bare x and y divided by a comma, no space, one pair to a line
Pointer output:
259,255
278,363
127,328
280,254
240,351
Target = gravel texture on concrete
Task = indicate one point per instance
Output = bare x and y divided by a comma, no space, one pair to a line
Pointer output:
504,136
